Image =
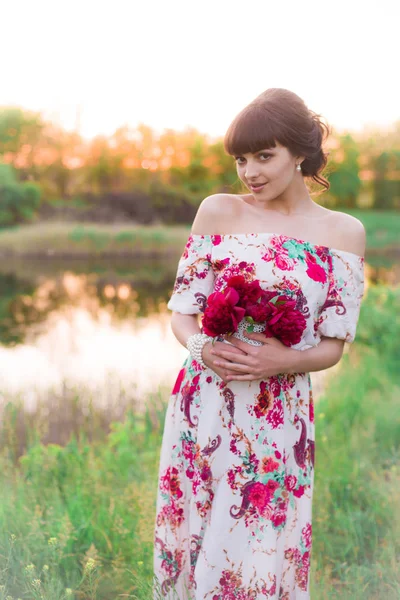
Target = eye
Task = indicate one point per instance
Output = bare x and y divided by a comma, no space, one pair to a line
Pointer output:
238,159
265,155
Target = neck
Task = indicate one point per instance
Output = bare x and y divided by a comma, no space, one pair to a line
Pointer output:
295,200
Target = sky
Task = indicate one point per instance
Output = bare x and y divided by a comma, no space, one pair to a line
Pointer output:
98,65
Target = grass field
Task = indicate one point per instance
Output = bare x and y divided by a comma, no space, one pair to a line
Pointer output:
69,239
76,522
49,240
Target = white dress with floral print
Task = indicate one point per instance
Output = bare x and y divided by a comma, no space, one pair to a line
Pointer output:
236,474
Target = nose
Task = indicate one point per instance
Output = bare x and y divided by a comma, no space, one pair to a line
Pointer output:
252,170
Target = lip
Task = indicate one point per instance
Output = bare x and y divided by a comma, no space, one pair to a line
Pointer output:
256,188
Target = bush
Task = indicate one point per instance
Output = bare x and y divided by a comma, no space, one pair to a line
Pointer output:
19,202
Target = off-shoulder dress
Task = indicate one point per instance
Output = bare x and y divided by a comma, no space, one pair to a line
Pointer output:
234,500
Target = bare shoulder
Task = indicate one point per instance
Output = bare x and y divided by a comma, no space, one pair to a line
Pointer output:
214,212
351,233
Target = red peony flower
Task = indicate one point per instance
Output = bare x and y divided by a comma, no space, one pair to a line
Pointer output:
249,291
222,315
263,309
241,298
287,323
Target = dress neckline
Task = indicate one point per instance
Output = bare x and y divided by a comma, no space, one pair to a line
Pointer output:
272,234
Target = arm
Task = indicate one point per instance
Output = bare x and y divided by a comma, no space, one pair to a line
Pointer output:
185,309
183,326
274,358
328,353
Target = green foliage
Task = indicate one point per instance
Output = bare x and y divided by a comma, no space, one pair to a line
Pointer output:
344,178
358,458
19,202
380,327
386,189
180,167
382,227
18,128
7,174
87,502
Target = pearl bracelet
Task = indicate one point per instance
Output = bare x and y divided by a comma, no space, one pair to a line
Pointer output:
195,345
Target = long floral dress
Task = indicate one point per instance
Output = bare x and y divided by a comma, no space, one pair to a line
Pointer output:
234,503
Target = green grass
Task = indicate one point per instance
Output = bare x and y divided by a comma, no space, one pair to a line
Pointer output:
80,517
70,239
357,488
67,505
382,227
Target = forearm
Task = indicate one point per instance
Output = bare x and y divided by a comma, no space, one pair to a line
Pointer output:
184,326
328,352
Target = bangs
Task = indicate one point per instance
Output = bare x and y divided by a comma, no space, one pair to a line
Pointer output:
252,130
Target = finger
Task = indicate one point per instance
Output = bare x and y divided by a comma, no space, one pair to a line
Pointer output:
222,346
234,367
261,337
247,377
256,335
243,359
239,344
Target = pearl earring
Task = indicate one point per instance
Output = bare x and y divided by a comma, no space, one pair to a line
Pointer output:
298,168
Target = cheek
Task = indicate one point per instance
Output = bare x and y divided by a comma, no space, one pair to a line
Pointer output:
284,173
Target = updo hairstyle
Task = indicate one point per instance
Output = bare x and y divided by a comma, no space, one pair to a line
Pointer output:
279,114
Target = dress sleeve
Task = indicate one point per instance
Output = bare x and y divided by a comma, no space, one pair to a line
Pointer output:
195,277
338,316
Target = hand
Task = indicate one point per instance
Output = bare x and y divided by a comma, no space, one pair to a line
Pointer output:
210,360
254,362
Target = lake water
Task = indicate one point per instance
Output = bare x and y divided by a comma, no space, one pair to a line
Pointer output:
99,329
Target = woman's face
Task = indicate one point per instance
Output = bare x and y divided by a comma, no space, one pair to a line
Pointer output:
267,173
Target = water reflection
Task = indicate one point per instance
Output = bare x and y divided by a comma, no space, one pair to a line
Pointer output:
89,333
101,329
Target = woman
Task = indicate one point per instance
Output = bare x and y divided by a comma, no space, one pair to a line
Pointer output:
237,460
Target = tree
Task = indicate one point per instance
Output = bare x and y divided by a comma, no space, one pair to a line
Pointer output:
20,135
386,182
344,178
18,201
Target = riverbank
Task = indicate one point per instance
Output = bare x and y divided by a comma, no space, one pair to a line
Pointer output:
70,240
76,521
49,240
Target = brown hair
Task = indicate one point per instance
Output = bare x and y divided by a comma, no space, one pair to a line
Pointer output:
280,115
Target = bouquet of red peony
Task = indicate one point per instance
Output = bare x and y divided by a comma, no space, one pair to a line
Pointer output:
246,303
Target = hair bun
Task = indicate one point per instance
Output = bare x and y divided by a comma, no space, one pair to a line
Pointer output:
280,115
